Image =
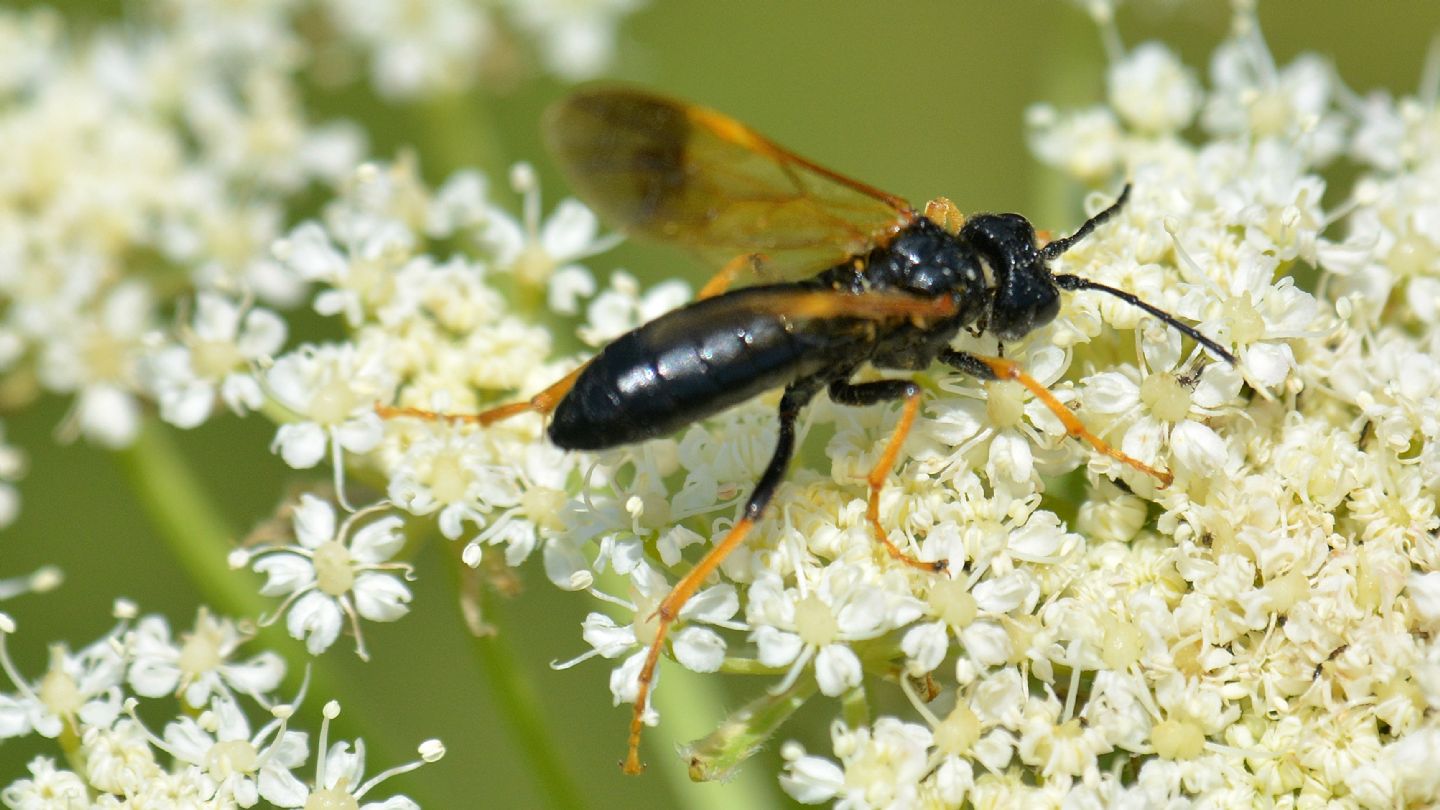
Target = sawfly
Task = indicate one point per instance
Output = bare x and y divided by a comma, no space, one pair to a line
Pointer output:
819,276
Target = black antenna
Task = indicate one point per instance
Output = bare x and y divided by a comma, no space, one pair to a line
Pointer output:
1059,246
1068,282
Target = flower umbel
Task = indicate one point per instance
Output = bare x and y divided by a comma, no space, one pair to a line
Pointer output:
1261,631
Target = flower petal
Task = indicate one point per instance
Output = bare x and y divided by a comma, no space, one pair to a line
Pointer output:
699,649
837,669
316,620
381,597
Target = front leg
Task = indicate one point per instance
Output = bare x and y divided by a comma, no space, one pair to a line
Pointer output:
996,368
869,393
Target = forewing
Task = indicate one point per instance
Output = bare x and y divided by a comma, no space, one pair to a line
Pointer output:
665,170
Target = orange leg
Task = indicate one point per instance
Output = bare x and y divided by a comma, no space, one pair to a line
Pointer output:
858,394
722,280
542,403
861,394
794,398
996,368
668,610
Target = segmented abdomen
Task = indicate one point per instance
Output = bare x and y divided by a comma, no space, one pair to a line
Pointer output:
685,366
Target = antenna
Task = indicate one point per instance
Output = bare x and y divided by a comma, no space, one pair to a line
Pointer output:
1069,282
1058,246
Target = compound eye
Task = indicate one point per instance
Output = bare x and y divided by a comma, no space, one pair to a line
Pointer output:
1046,308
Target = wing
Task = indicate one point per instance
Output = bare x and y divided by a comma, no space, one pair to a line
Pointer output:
675,172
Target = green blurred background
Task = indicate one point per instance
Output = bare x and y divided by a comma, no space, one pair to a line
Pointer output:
920,98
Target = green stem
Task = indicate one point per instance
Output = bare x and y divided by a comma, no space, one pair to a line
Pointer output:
513,695
189,524
69,742
750,666
855,707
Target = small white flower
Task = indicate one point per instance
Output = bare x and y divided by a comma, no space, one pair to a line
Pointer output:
1087,145
458,474
1412,761
577,37
545,254
416,50
255,133
199,664
1261,316
340,774
216,359
243,766
96,356
998,427
1166,410
368,236
226,242
807,778
332,391
880,766
332,573
1153,91
1380,137
1054,749
1253,96
78,690
118,759
697,648
794,627
446,471
1391,249
48,788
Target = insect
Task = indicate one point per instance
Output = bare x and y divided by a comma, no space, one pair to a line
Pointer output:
840,275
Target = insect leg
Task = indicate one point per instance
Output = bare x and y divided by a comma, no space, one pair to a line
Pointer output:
791,402
996,368
542,403
722,280
869,393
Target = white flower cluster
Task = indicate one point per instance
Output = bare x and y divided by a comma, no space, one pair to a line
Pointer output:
1263,631
153,165
1260,628
208,756
445,330
445,45
136,166
159,158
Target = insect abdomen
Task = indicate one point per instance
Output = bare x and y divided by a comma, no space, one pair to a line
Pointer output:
680,368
